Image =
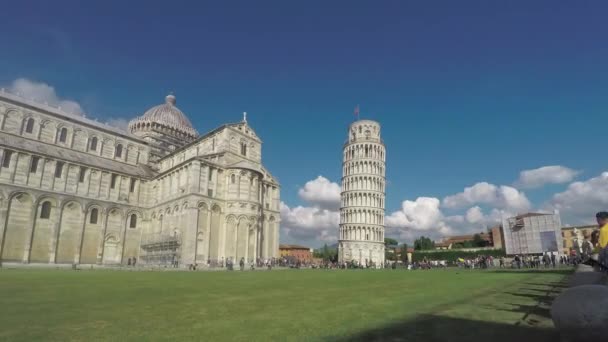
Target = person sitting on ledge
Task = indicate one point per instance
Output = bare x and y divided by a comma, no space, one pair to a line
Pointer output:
602,221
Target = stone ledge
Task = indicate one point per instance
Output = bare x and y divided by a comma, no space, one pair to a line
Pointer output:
580,313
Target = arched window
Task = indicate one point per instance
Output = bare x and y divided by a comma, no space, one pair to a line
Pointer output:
133,221
45,211
232,179
93,144
118,153
244,149
63,135
29,126
94,214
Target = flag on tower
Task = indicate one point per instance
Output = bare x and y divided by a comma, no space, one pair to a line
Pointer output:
357,112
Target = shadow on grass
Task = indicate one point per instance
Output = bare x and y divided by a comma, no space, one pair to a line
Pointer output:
432,328
538,298
559,285
563,271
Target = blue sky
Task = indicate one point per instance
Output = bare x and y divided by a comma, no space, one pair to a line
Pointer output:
466,91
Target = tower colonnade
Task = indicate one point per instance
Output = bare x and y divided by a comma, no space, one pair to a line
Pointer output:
361,233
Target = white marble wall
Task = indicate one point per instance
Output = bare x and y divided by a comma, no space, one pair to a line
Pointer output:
361,232
89,206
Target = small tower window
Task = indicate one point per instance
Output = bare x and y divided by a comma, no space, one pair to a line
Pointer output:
34,164
244,149
63,135
233,179
132,186
118,152
6,161
93,145
45,211
94,214
113,181
29,126
58,169
133,221
83,171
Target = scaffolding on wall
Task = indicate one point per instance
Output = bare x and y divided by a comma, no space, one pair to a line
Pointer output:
516,227
160,249
532,233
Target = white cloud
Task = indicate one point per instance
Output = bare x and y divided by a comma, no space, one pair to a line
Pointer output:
318,222
321,193
421,214
44,93
119,123
474,215
581,200
420,217
309,223
502,197
553,174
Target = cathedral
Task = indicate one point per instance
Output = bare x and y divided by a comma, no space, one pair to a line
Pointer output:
77,191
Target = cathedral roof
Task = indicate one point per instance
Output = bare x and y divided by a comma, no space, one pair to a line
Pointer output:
167,115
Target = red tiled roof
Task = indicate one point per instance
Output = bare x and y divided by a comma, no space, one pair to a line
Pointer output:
293,247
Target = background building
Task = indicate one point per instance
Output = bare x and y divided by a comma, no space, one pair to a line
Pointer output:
296,253
572,237
361,235
490,239
532,233
73,190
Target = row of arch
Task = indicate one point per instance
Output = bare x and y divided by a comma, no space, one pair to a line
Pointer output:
355,151
63,135
358,167
368,216
357,199
76,138
359,233
219,236
145,125
52,230
363,183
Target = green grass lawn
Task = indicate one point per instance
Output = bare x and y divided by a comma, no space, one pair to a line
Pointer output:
290,305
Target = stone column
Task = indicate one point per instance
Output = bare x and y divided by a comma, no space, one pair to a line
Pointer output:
194,177
190,238
247,244
100,248
126,223
3,222
265,237
81,239
56,231
28,245
207,249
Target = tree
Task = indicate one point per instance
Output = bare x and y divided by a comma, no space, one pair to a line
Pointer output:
423,243
404,252
390,242
325,252
478,241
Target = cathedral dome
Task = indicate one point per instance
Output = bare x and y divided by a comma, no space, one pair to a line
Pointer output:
166,115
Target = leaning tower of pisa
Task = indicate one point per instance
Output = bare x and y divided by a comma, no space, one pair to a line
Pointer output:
361,236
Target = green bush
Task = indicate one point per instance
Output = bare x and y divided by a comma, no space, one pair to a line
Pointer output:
453,255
